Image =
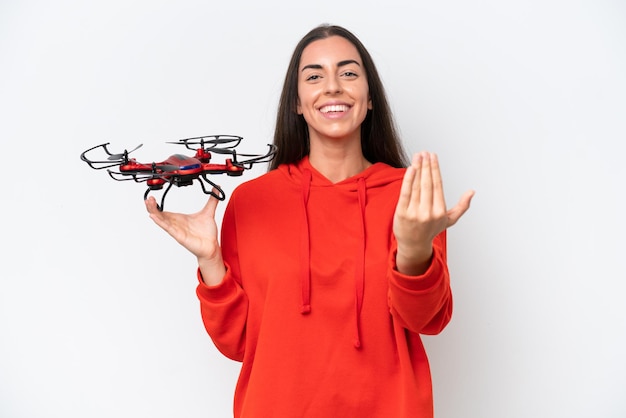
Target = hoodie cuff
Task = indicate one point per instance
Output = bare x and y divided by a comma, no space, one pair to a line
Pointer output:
429,279
221,292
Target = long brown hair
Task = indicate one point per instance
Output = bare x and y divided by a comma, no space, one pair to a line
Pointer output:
379,138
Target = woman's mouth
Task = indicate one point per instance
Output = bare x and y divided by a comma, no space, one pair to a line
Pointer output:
334,108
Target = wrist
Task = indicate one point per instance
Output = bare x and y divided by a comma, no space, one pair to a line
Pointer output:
413,262
212,269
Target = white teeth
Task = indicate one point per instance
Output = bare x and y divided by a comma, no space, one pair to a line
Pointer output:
334,108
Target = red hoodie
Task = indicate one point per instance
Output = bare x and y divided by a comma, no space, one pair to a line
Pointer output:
312,304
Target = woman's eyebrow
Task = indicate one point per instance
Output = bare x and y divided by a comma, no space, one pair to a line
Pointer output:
347,62
339,64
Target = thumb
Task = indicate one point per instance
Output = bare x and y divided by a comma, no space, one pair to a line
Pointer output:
456,212
210,206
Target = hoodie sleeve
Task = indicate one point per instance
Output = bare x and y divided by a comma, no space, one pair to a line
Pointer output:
224,307
422,304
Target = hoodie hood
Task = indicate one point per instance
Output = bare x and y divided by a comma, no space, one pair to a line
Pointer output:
355,189
376,175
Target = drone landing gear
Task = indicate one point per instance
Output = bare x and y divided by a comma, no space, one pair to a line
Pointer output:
216,191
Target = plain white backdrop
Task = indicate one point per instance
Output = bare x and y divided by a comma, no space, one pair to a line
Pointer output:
524,101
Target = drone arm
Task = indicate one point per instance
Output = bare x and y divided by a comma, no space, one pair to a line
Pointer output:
117,176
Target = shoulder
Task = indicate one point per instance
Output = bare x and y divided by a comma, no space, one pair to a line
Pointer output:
258,183
262,187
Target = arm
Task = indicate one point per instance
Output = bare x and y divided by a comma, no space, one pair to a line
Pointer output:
223,303
420,296
224,310
224,307
422,304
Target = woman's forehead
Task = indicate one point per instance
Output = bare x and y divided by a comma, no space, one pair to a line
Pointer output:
329,51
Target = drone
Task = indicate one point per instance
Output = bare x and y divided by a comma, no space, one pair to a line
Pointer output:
178,169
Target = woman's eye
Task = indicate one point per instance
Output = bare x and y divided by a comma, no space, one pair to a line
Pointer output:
349,74
313,77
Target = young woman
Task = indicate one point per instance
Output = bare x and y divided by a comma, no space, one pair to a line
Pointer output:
333,263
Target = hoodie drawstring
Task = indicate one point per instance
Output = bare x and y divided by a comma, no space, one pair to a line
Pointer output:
359,278
305,249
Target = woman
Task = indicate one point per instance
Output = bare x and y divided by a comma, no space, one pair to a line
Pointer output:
333,262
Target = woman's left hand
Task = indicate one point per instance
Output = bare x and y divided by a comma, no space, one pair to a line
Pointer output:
421,213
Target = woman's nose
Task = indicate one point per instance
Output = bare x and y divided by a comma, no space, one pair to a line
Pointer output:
333,85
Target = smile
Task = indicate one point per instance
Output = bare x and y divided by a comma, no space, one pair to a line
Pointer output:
334,108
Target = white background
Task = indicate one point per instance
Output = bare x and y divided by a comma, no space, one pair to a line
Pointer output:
524,101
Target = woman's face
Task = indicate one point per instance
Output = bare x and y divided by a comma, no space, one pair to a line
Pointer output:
333,95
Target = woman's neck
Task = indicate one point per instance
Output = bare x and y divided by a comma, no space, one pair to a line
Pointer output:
336,161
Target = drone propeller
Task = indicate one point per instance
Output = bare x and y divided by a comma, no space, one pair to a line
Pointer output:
112,159
124,154
230,152
253,158
212,140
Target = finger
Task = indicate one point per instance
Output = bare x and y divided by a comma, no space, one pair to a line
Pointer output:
406,187
418,163
210,206
150,204
159,217
439,201
426,183
456,212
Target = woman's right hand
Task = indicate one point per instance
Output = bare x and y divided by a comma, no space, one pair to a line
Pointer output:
196,232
